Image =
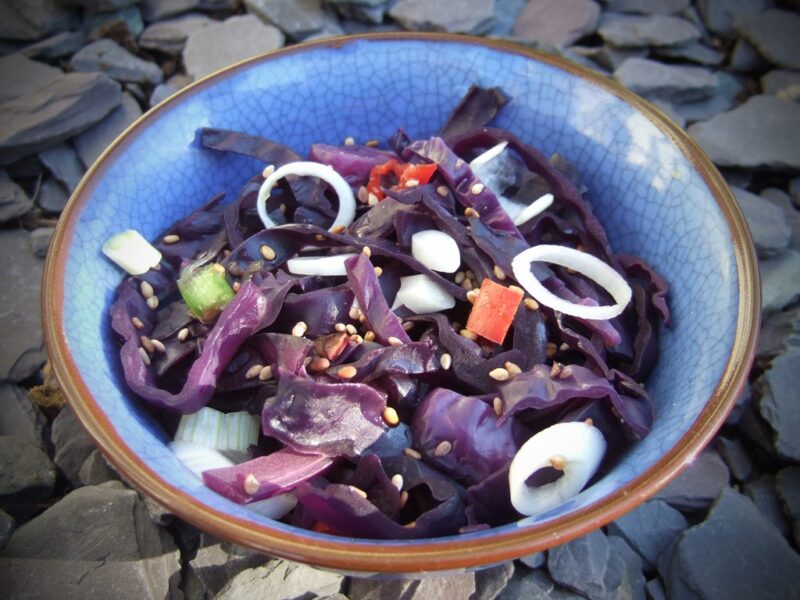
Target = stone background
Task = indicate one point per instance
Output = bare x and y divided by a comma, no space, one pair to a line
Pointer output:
75,73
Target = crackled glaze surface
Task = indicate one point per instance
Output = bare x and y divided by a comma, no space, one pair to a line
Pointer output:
644,189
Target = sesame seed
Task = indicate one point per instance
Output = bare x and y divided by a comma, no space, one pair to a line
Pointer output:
466,284
390,416
555,370
393,341
531,304
235,269
443,449
369,336
589,422
347,372
403,499
362,318
558,462
564,347
145,356
477,188
516,288
319,237
340,327
442,191
412,183
152,302
469,274
408,325
372,143
307,361
156,267
566,372
551,349
366,251
378,271
299,330
358,491
362,195
147,290
512,368
455,325
351,329
579,247
183,334
338,229
137,322
459,277
446,361
146,343
499,374
411,453
254,371
282,207
349,141
266,373
471,212
499,273
356,339
354,312
472,295
268,170
459,163
397,481
319,363
236,286
218,268
372,199
470,335
250,484
171,238
158,346
267,252
497,405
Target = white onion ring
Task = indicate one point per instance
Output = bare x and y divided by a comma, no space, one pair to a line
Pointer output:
332,265
534,208
577,448
582,262
347,202
490,154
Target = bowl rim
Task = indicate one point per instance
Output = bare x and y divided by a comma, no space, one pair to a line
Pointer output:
437,554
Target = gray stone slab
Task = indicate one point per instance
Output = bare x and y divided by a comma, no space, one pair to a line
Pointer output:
213,566
779,331
295,18
14,202
782,83
654,30
720,15
71,443
373,11
281,580
56,46
91,143
27,476
19,416
778,403
160,93
735,454
556,22
218,46
771,233
96,470
734,553
695,52
776,34
55,112
473,16
650,529
21,75
655,590
763,494
779,277
97,24
746,59
22,350
170,36
787,484
649,7
490,582
723,100
6,528
112,59
40,240
624,579
31,20
535,560
580,565
760,133
64,164
535,586
699,484
676,83
609,57
783,201
102,5
52,197
157,10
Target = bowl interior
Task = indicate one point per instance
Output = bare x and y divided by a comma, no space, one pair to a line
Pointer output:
643,184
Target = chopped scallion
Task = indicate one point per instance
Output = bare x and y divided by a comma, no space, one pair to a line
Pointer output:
206,291
213,429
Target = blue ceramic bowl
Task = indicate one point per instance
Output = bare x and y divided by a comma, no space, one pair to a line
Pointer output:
652,188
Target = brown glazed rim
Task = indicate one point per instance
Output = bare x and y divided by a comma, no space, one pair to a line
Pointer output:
409,556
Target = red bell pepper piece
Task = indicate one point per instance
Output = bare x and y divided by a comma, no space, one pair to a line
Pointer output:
494,311
403,172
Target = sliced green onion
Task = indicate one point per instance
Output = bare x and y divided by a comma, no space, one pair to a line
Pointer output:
198,458
214,429
206,291
129,250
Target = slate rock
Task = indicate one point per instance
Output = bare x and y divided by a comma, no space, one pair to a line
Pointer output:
72,444
698,485
720,15
56,46
280,580
33,19
655,30
91,143
783,201
556,22
695,52
27,476
14,202
535,560
64,164
96,470
759,134
21,75
678,83
472,16
668,108
54,113
52,197
624,579
762,492
375,589
295,18
6,528
735,455
170,36
40,240
649,529
536,585
222,44
97,23
649,7
101,5
724,99
782,83
746,59
112,59
734,553
160,93
609,57
794,191
655,590
156,10
778,403
373,11
19,416
22,350
779,331
155,577
767,223
757,433
776,34
580,564
213,566
490,582
787,484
